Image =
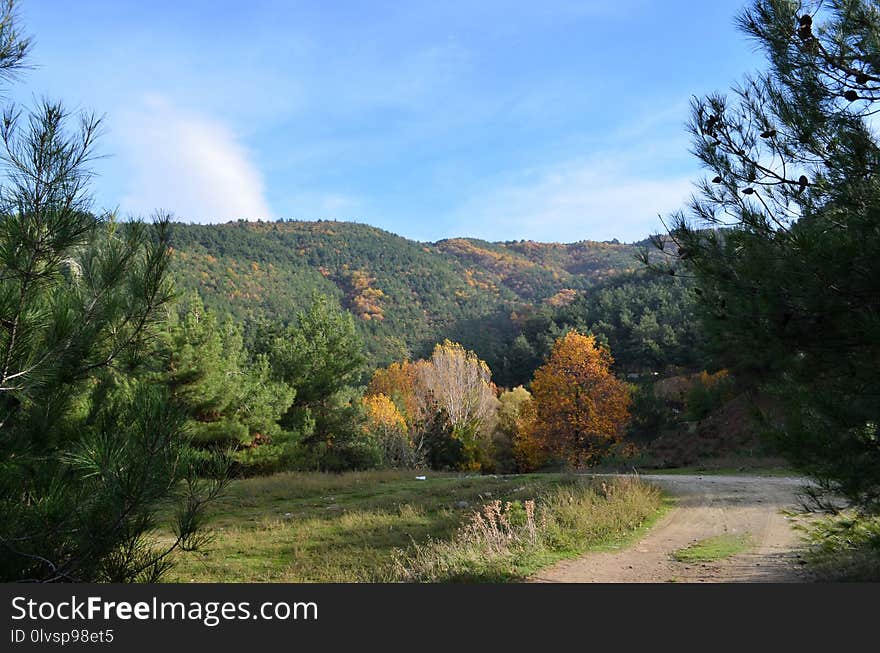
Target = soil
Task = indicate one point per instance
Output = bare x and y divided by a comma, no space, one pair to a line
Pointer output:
706,506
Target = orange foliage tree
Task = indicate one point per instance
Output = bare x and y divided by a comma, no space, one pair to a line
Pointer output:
581,406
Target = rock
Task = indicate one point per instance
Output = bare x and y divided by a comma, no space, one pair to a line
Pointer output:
461,504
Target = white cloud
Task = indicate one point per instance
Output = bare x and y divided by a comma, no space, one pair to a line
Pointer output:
596,199
189,165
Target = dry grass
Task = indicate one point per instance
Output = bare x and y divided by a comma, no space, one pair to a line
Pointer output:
505,541
357,527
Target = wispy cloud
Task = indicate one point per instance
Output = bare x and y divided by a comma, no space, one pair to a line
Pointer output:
190,165
597,199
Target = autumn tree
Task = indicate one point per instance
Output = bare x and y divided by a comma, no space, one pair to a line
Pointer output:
460,384
582,407
400,382
782,238
386,423
516,448
449,403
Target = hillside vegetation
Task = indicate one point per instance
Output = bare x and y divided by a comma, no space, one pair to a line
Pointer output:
406,296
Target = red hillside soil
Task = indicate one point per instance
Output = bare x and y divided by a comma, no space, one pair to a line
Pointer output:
731,430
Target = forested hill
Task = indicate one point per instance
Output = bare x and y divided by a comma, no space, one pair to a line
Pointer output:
405,295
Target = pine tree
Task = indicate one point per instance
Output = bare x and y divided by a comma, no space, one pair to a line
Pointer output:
229,399
783,239
321,356
86,453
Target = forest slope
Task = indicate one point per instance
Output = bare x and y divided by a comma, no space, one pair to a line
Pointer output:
406,295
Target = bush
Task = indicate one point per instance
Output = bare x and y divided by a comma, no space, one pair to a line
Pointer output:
278,454
651,414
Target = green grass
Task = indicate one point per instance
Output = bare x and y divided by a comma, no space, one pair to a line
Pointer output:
714,548
304,527
843,547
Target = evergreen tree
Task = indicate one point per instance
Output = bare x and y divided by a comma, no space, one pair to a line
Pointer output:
321,356
783,239
86,454
230,400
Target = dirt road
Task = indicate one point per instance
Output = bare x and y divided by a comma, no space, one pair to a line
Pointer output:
706,506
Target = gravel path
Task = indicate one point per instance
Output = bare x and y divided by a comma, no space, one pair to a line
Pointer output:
706,506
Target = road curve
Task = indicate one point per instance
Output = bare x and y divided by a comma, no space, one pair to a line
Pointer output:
706,506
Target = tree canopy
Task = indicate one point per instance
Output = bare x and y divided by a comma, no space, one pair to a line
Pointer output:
782,239
87,451
581,406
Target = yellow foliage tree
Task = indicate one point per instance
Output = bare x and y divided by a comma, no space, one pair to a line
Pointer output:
400,382
386,423
529,450
582,407
382,414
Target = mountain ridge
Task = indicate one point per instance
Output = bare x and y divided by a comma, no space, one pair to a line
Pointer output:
405,294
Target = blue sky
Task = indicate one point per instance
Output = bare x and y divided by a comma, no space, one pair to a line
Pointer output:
551,120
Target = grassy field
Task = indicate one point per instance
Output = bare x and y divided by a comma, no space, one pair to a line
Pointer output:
388,526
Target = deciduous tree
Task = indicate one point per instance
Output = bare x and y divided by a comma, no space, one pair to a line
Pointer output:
460,384
386,422
582,407
400,382
516,447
